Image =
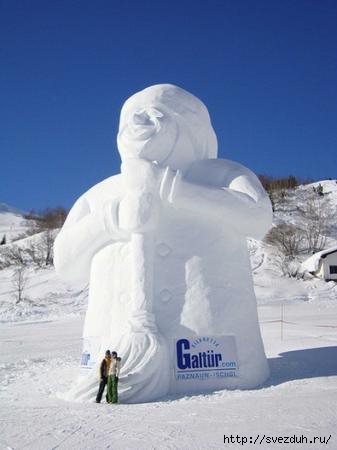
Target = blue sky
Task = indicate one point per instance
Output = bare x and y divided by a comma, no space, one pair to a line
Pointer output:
266,69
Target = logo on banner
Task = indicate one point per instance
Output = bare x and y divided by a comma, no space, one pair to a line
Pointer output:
206,358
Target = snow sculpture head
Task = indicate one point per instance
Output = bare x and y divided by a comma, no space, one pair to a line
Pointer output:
166,124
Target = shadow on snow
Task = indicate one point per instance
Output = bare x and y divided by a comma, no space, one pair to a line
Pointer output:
302,364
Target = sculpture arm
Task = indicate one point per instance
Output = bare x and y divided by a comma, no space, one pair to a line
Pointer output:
83,234
242,204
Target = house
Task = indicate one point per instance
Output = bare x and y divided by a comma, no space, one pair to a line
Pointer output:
322,264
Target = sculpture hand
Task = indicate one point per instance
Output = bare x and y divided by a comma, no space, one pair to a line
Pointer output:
138,212
141,175
139,209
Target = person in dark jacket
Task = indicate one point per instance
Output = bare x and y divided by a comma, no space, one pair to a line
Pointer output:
103,372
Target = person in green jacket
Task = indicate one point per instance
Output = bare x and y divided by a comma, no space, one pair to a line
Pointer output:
114,369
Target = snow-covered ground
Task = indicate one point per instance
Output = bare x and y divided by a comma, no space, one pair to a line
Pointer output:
40,347
40,359
45,297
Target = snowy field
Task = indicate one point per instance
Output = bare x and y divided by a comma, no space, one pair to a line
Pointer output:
40,348
39,360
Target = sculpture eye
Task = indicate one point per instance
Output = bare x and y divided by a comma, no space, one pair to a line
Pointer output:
142,118
147,117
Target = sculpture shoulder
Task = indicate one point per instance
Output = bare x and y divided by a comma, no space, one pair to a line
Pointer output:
94,198
218,172
107,189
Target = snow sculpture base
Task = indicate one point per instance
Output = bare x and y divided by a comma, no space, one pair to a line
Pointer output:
147,372
163,245
198,364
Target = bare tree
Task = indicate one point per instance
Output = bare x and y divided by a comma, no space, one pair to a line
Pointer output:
288,238
13,255
274,184
48,219
48,245
40,250
19,282
290,266
46,223
316,215
45,247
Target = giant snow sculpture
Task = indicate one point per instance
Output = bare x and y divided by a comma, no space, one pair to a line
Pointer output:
163,247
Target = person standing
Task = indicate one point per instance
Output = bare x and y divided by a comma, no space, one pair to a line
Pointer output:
112,395
103,371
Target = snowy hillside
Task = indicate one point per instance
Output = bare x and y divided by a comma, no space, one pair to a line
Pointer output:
295,201
44,295
41,344
12,222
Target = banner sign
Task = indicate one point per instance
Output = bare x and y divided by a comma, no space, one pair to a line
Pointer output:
205,358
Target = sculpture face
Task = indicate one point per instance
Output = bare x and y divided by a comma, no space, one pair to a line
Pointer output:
166,124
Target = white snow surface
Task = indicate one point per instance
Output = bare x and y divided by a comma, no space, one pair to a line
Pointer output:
40,359
41,343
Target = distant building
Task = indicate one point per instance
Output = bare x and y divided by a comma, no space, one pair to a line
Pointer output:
323,264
